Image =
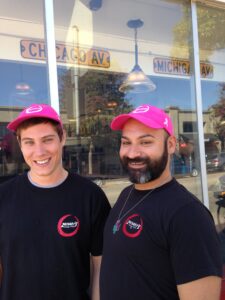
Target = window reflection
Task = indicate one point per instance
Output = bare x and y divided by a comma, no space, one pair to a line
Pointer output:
94,50
22,84
93,150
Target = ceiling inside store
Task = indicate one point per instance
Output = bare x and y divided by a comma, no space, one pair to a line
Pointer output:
111,18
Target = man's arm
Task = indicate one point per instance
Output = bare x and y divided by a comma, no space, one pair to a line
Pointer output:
207,288
95,272
1,271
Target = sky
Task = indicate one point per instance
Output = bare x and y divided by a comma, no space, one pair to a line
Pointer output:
170,91
177,92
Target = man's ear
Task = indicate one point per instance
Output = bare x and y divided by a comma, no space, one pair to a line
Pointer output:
171,144
64,137
18,140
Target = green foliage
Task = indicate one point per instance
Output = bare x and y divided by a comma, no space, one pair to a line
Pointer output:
218,112
211,30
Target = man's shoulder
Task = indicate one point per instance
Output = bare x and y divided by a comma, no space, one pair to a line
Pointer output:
10,186
82,180
174,198
182,201
81,185
84,184
10,181
177,190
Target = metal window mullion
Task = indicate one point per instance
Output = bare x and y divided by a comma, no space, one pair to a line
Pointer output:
198,93
51,54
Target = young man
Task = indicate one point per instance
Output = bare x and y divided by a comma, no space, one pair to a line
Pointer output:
51,221
160,242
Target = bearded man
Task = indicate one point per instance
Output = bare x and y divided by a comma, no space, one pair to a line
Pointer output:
160,241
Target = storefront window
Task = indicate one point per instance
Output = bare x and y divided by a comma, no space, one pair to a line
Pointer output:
212,50
99,44
22,72
96,50
97,47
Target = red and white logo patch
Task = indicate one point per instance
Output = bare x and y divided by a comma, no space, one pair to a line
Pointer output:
133,226
68,225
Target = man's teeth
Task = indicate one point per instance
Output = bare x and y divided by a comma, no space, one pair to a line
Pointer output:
41,162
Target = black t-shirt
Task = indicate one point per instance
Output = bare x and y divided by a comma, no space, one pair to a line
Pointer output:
47,236
166,240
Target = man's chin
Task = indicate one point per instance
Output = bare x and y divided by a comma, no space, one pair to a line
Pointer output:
139,180
139,177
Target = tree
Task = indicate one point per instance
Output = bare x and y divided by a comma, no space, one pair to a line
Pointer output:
218,112
100,100
211,24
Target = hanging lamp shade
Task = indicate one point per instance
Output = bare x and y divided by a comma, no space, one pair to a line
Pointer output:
137,81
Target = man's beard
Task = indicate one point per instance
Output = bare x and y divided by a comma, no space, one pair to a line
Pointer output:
152,170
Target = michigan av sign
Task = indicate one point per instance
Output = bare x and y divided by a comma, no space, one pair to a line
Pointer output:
180,67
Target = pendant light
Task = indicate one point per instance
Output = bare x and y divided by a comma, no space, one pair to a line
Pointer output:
137,81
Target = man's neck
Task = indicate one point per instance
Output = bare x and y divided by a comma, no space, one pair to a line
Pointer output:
48,181
163,179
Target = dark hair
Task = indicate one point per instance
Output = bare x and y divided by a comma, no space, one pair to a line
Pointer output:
167,135
35,121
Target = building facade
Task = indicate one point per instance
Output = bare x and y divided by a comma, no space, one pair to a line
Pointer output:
77,55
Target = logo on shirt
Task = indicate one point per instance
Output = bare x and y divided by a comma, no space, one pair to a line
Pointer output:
133,226
68,225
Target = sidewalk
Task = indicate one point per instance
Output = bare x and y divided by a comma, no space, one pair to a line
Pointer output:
113,187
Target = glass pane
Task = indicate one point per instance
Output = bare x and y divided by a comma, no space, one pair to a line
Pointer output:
23,73
212,49
96,50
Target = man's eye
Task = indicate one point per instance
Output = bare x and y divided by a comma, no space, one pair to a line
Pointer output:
146,143
28,143
125,143
48,140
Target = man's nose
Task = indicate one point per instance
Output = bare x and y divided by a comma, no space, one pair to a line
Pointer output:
39,149
133,152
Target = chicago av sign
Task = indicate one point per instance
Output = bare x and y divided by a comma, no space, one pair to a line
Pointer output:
93,57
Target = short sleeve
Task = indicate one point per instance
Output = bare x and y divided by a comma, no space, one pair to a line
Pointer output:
194,244
100,212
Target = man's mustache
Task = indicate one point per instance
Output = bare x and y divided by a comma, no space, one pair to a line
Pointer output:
127,160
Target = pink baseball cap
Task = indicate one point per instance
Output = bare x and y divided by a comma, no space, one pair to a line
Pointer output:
35,111
148,115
